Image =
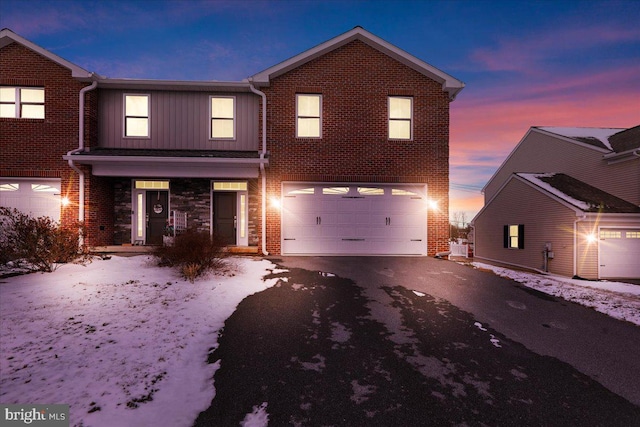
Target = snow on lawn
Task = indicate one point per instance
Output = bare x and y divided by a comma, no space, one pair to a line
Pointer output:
616,299
123,342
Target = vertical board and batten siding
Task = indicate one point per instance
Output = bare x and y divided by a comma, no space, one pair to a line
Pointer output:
543,153
544,219
179,121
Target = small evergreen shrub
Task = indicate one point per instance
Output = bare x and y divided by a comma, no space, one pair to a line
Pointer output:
193,252
40,242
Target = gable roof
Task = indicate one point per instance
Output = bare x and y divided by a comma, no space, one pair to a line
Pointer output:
449,83
7,37
597,137
626,140
578,194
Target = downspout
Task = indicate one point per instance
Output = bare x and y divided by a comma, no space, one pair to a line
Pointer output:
263,153
81,148
575,243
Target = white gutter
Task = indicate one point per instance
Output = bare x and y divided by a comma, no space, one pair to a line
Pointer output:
81,148
262,171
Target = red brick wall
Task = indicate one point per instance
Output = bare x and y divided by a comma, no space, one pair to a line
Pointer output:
34,148
355,81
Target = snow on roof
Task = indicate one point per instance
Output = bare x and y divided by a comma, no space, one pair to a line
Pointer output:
601,134
534,178
579,194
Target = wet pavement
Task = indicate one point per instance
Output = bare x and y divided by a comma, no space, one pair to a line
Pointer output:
324,349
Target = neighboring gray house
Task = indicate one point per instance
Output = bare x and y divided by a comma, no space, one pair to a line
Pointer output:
567,201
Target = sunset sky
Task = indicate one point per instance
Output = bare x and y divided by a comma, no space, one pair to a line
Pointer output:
524,63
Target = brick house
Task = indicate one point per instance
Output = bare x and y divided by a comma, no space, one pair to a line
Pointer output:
338,150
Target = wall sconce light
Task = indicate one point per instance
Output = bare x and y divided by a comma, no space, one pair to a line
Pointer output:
275,203
65,202
592,238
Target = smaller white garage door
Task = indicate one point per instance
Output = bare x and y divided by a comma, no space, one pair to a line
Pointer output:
350,219
35,197
620,253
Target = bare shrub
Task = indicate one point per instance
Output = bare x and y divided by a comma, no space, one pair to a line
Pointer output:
193,252
40,242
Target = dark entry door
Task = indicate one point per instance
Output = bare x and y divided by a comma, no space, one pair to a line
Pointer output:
157,215
224,217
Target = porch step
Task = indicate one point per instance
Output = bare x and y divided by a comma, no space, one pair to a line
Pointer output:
121,249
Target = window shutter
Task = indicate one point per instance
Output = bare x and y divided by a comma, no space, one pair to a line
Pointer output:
505,236
520,236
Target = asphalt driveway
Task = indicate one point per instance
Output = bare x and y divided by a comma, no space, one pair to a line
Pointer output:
418,341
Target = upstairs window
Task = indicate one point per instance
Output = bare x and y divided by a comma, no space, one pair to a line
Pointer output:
223,112
22,102
514,236
400,117
308,116
136,116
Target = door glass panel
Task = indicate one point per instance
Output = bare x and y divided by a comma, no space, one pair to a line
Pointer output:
243,217
140,216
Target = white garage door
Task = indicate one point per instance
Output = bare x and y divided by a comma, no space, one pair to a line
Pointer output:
349,219
36,197
619,253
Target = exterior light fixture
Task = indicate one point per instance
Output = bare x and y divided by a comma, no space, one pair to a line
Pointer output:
592,238
275,203
65,202
433,205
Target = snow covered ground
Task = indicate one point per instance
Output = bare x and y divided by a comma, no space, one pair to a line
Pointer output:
122,341
616,299
125,343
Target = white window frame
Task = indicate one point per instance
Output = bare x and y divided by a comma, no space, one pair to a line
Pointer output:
126,116
399,119
211,118
17,102
302,117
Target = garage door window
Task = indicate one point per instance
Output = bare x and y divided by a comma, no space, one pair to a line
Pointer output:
371,191
633,235
9,187
336,191
402,192
302,191
610,234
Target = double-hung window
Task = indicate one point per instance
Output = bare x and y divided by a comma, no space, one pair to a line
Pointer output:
308,116
223,113
136,116
514,236
22,102
400,117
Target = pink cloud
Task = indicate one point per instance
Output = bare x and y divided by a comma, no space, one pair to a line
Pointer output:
526,54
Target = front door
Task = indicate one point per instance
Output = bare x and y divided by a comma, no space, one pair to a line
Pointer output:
224,217
157,215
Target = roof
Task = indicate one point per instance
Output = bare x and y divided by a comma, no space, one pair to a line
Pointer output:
7,37
611,139
449,83
180,85
579,194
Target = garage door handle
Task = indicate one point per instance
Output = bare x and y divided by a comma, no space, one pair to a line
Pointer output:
387,221
354,240
318,220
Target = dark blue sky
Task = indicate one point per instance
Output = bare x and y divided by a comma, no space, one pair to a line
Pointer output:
525,63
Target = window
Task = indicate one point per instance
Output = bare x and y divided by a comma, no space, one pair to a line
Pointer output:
22,102
633,234
335,190
308,116
136,116
371,191
400,117
610,234
230,186
514,236
223,111
152,185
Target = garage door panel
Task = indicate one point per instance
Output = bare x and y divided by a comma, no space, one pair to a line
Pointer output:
355,219
35,197
619,253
